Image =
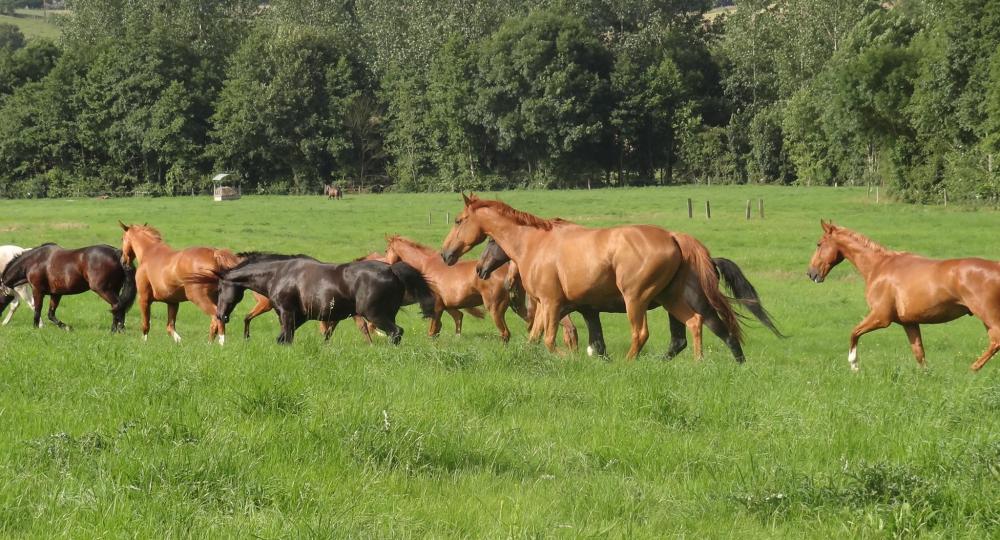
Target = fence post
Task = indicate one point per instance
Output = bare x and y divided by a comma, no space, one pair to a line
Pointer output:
447,218
760,207
690,209
946,197
748,209
708,210
876,194
429,217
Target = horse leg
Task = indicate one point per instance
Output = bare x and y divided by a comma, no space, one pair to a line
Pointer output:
498,311
262,306
112,298
388,325
636,311
678,337
458,316
38,298
871,322
9,300
916,343
550,312
434,327
53,306
595,333
200,296
327,328
994,333
570,337
172,308
290,321
363,327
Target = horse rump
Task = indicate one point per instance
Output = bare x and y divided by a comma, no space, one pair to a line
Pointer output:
416,287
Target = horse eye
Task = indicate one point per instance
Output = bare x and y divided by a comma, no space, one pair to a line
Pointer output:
458,221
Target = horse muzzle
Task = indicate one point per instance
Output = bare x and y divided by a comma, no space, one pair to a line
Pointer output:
449,257
481,272
223,318
815,276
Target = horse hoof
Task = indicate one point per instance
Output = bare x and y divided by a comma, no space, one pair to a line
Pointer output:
222,340
590,351
145,337
176,336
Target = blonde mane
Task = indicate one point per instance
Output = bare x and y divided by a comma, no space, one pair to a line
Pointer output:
519,217
864,240
412,243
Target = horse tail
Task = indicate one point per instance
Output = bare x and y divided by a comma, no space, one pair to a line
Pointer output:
744,292
416,286
700,262
226,259
475,312
126,296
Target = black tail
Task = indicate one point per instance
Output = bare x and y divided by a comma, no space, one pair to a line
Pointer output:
126,297
741,289
416,286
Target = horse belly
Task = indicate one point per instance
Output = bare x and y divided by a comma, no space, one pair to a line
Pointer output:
931,310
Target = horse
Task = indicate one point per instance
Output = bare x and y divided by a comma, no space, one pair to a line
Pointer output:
9,297
910,290
54,271
301,289
459,287
163,275
493,257
333,192
590,270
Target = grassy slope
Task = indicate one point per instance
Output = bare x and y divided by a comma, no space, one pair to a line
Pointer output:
462,437
33,24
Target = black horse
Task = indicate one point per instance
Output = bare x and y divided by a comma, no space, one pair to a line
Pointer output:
739,286
302,289
54,271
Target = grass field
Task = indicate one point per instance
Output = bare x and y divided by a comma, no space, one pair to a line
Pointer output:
34,23
105,435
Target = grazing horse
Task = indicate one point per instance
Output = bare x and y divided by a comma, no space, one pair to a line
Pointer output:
459,287
493,257
625,268
9,297
301,289
911,290
163,276
54,271
333,192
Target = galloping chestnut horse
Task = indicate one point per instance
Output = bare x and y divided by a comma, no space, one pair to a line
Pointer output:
739,286
164,276
54,271
459,287
625,268
911,290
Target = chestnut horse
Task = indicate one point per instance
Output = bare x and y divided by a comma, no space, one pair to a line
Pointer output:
165,275
739,286
625,268
459,287
911,290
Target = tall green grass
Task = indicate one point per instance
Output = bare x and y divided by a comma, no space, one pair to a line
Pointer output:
461,436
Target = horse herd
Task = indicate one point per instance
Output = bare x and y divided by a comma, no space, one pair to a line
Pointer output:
543,269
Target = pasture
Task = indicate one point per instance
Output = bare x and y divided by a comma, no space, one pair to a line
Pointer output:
35,23
462,437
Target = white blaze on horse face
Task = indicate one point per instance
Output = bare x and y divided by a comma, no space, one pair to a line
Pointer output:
852,357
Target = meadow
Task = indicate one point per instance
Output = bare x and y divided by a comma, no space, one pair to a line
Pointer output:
105,435
35,23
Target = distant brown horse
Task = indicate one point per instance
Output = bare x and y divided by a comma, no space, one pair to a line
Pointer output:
333,192
458,286
910,290
615,269
165,275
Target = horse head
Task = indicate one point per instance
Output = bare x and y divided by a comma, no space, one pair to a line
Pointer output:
466,233
827,255
493,257
230,295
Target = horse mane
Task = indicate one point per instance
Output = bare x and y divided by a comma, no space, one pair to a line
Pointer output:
519,217
865,241
248,257
20,257
148,229
412,243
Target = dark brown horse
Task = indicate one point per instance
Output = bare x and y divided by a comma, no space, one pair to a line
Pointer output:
165,275
911,290
626,268
55,272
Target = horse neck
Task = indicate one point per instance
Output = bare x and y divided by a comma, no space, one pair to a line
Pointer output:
143,245
862,256
255,277
417,257
512,237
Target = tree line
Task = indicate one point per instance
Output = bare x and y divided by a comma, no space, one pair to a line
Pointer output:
447,94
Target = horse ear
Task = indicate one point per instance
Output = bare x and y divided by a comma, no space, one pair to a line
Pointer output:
826,226
466,198
124,226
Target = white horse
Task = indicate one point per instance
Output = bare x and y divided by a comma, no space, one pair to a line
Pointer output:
24,291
